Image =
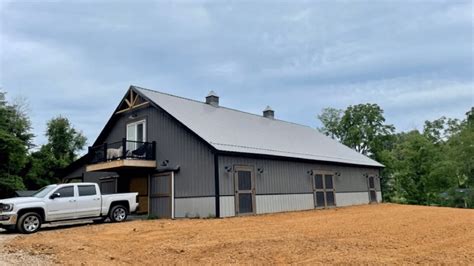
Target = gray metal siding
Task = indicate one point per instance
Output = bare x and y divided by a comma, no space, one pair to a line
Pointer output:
285,202
286,177
76,173
108,186
160,207
95,176
195,207
177,145
88,177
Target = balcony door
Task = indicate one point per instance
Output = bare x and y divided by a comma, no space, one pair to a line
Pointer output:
136,132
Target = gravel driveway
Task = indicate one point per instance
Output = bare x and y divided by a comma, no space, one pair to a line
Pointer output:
9,257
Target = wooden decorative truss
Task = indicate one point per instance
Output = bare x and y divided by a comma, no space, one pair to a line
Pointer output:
131,101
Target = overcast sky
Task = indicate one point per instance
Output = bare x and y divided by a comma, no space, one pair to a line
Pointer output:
78,58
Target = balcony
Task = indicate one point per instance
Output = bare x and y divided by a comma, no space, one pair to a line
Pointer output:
125,154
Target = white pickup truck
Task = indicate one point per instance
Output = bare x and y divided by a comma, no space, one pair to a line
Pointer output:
64,202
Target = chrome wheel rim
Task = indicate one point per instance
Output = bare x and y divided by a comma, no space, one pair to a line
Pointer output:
31,223
119,214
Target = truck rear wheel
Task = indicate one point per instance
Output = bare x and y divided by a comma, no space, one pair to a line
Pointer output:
118,213
29,223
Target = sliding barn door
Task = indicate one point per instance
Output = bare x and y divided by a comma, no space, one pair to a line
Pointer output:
160,196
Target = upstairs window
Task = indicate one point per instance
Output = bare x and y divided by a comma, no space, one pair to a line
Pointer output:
136,131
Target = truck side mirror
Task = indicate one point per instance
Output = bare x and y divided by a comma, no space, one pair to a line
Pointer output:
55,195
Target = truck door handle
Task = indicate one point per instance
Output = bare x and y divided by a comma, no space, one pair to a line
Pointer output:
72,200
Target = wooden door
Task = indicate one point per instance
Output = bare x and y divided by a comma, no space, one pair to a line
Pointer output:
324,189
244,183
372,190
139,184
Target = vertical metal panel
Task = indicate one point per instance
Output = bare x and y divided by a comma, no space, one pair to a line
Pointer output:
281,203
277,176
160,196
108,186
195,207
94,177
160,185
227,206
352,198
76,173
286,177
180,147
379,196
160,207
352,179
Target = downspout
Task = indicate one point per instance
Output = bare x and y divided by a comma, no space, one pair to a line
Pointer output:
149,192
216,183
381,186
172,194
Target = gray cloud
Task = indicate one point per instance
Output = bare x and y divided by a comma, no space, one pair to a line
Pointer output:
414,58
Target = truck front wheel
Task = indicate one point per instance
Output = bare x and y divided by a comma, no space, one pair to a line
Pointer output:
118,214
29,223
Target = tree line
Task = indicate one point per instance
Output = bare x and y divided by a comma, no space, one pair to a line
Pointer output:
434,166
24,165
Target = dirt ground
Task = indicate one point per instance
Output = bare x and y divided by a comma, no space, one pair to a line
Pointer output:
384,233
19,257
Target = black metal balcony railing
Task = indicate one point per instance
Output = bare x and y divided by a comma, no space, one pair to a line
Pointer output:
125,149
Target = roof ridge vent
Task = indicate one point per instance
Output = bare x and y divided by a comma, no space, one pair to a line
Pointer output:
212,93
212,99
269,112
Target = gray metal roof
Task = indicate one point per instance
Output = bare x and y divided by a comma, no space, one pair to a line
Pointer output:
235,131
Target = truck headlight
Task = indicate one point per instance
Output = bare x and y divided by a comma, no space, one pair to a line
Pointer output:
7,207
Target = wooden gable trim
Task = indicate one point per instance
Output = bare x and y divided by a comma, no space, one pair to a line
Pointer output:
131,101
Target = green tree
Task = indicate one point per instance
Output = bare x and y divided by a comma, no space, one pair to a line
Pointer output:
64,141
361,127
440,130
414,157
457,165
331,120
431,167
15,140
64,144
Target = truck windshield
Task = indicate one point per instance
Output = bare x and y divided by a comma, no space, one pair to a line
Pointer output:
43,191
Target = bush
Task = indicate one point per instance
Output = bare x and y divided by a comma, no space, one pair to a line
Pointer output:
9,184
459,198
